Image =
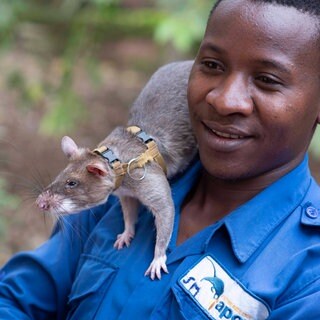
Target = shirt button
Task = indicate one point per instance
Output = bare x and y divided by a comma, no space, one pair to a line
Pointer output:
312,212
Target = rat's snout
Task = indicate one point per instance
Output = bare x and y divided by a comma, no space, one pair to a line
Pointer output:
43,205
43,201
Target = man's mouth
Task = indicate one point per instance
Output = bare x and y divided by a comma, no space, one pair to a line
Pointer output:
227,135
226,138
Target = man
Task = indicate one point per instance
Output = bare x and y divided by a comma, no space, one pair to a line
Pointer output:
246,238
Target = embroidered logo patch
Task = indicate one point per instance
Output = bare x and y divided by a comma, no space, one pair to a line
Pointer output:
219,295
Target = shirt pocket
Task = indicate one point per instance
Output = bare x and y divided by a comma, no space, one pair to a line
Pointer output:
188,308
92,281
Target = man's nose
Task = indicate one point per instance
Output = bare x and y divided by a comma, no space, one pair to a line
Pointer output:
231,96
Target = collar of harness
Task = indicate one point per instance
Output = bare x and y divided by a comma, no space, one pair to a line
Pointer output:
152,153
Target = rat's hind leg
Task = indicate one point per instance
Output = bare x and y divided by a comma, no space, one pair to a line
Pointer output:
130,213
159,200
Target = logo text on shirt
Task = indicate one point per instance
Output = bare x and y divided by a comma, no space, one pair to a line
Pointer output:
219,295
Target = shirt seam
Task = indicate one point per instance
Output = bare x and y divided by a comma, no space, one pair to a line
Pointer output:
299,290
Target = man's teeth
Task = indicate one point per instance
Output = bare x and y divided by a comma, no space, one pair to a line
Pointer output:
227,135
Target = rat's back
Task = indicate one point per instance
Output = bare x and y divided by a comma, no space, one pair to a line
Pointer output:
161,110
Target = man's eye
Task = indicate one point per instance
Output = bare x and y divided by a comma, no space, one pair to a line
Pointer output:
70,184
268,80
213,65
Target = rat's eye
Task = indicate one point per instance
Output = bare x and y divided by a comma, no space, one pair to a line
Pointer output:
70,184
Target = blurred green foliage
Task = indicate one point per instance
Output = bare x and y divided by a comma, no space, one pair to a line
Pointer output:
184,23
74,29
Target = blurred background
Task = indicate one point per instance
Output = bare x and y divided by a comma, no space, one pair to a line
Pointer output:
73,67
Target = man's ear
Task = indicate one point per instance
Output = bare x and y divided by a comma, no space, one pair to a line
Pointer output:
97,169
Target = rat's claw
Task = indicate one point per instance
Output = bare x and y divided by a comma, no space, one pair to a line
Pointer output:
123,239
155,267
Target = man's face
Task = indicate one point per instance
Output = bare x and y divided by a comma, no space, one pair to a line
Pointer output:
254,90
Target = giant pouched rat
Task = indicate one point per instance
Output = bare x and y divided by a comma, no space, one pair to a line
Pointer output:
134,162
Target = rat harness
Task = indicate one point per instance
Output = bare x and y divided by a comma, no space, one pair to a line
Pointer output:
152,153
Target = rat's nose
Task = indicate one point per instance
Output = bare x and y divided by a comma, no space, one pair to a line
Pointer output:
42,203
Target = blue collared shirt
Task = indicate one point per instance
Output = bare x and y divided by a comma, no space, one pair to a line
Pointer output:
262,261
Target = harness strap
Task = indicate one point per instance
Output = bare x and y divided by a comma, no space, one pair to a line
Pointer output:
114,163
121,169
152,153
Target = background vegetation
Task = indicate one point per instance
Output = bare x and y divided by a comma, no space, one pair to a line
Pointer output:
74,67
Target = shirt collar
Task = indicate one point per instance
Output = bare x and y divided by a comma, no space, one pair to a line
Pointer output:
250,224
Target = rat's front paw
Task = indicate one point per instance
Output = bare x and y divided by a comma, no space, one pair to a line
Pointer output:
123,239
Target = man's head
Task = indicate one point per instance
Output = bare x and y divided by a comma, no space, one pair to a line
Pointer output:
311,7
254,93
307,6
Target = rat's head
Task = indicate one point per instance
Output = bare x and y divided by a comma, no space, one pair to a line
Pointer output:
86,182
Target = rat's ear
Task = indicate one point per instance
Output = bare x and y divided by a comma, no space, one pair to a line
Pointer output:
97,169
68,146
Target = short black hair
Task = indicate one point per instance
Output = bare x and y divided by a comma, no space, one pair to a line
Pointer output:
311,7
